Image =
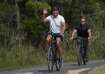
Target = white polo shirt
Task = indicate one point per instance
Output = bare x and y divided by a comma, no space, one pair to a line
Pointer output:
56,23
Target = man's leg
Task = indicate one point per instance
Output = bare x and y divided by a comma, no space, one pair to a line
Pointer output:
49,40
59,46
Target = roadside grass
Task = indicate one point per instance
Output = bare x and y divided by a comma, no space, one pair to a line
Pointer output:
98,70
30,57
21,57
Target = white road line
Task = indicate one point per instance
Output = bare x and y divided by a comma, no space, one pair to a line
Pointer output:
77,71
27,73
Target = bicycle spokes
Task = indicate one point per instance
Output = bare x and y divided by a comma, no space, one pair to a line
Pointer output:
54,60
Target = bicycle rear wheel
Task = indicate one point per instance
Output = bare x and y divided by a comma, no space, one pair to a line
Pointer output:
59,64
59,61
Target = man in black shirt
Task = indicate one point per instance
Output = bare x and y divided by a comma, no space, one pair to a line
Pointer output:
83,33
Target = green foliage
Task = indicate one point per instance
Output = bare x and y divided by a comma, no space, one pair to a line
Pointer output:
37,5
100,10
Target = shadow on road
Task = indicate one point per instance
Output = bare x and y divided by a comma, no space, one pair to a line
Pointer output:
43,71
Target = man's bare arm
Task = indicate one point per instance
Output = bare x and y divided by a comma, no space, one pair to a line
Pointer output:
73,34
63,27
44,18
90,34
44,15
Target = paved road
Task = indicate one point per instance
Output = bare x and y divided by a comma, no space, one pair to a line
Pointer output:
67,69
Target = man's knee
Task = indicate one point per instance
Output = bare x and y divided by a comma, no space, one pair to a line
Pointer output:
58,42
49,38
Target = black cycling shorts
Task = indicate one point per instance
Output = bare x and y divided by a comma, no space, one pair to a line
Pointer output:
56,35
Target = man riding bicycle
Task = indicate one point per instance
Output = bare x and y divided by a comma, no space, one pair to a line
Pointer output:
57,27
84,34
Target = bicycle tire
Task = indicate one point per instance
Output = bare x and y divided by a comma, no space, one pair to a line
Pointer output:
59,64
50,60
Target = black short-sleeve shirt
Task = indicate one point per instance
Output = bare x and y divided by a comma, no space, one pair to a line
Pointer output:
82,30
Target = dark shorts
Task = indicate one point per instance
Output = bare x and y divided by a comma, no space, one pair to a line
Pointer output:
56,35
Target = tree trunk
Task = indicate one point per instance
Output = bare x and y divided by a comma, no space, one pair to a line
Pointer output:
18,23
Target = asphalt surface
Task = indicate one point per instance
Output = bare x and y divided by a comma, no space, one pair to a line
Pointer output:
67,69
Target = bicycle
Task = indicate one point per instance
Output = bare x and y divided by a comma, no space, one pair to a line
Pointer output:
81,50
54,56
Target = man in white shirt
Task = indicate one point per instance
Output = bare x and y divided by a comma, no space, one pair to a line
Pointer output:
57,27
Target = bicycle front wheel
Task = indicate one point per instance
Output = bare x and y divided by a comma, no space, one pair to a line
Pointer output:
50,60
